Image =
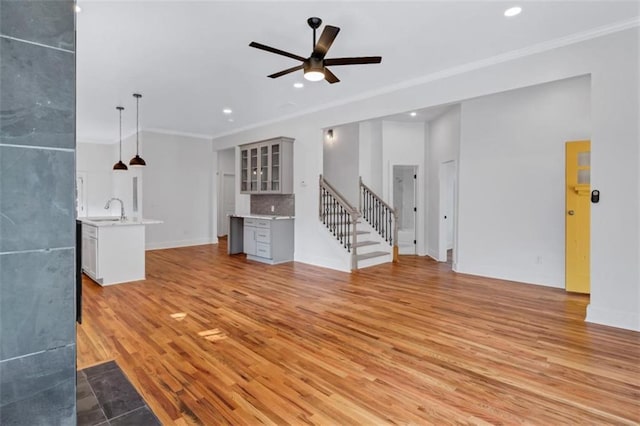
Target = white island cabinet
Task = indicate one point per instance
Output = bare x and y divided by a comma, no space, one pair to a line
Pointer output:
113,250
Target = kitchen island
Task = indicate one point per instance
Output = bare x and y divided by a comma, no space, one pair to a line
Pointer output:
113,249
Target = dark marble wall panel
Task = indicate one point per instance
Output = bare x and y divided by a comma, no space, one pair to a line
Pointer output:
37,206
37,301
39,21
37,212
39,389
283,205
37,107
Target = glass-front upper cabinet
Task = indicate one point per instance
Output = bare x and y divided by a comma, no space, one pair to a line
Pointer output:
275,167
244,170
266,167
253,156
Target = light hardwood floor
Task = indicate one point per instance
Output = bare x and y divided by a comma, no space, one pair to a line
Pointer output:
214,339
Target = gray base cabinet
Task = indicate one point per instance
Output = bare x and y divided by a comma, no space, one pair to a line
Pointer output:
268,240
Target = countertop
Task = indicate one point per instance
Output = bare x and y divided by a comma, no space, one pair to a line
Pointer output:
115,221
262,216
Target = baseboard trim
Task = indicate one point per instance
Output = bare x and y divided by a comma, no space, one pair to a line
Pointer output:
610,318
508,275
183,243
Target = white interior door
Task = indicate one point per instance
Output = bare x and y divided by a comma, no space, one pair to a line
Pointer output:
228,205
405,200
447,209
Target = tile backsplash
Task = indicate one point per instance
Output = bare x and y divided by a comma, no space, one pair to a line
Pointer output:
283,205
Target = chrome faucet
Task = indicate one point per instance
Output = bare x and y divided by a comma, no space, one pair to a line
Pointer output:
108,205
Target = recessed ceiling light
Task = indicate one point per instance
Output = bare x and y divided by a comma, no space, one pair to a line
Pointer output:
413,114
77,8
512,11
227,111
298,85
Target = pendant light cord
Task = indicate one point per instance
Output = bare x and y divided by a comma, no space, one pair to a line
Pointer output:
137,122
120,134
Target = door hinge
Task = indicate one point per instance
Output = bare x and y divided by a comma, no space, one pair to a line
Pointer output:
414,242
415,209
415,176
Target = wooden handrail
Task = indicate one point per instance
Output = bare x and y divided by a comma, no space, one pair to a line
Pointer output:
377,197
338,196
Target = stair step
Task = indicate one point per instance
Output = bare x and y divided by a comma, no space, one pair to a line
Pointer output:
357,232
365,243
372,255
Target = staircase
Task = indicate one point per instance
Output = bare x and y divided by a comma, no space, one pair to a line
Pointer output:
368,233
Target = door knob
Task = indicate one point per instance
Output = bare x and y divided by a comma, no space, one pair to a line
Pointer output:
571,212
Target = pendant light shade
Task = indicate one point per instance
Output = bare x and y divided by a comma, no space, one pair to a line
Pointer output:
120,165
137,160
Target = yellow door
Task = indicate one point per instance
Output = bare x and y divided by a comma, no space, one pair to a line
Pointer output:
577,216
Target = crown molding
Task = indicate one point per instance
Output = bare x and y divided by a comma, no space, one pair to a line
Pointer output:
457,70
177,133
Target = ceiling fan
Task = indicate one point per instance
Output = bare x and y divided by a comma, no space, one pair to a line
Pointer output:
315,66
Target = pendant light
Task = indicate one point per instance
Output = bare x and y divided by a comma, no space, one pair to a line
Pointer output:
120,165
137,160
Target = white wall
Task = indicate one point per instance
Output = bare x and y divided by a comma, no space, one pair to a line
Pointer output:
511,184
612,61
403,144
370,154
94,162
340,166
443,143
179,190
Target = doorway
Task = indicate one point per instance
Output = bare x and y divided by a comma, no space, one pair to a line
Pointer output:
405,201
448,210
228,205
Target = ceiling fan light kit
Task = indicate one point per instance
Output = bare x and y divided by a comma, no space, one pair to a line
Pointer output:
313,69
315,66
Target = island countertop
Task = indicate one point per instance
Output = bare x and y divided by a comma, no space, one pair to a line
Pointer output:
115,221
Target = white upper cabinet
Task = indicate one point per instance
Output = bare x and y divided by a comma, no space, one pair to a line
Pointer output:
266,167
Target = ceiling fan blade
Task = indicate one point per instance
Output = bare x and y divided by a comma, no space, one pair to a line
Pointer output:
287,71
353,61
276,51
330,77
326,40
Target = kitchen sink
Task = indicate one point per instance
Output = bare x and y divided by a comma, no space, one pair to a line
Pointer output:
115,219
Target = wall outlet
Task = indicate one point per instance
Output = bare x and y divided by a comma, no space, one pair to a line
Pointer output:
273,209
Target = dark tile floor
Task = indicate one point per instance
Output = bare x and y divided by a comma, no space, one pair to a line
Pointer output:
106,397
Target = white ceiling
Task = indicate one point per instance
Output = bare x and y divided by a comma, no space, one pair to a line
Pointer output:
191,59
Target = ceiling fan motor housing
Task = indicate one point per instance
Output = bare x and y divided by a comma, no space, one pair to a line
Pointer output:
313,64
